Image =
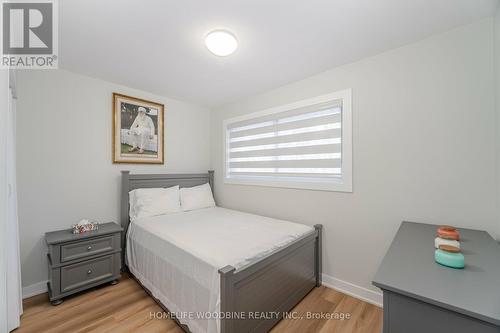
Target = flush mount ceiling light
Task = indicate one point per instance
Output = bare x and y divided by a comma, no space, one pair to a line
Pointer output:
221,42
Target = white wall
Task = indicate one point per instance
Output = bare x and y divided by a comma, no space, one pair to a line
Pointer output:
64,163
423,136
497,65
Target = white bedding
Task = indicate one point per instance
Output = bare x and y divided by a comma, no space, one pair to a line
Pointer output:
177,256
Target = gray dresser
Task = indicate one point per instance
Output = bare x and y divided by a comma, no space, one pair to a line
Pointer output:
81,261
423,296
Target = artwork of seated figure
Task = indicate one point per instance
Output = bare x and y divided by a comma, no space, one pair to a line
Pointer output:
141,130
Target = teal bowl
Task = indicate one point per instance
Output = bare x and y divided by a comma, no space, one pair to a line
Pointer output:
449,259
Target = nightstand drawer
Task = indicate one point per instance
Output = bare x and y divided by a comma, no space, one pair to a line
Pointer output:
81,261
87,248
87,272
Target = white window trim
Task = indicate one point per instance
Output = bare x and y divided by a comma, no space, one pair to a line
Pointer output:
343,184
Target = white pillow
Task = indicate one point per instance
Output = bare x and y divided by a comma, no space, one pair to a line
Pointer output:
146,202
196,197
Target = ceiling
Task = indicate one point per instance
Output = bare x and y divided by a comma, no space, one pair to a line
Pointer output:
157,45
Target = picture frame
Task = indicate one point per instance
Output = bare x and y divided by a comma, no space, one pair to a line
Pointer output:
138,130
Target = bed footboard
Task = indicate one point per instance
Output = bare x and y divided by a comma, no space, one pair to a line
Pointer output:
256,298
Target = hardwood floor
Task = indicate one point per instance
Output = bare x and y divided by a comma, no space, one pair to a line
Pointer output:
126,307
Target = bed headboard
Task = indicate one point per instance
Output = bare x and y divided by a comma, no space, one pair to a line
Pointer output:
133,181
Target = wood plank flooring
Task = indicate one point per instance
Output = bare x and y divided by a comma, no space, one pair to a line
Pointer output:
126,307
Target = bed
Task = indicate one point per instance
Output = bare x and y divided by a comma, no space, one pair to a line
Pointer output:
215,269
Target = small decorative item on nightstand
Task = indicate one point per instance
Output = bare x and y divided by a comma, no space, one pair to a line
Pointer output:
448,232
81,261
438,241
448,247
449,256
85,226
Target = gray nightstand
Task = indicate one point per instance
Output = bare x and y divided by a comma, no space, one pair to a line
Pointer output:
81,261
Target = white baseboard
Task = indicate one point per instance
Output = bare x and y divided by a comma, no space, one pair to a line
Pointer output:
345,287
353,290
35,289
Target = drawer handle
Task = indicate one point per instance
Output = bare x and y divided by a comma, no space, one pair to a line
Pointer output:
89,248
89,272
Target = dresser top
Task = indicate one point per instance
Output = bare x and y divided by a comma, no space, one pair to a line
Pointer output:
409,269
67,235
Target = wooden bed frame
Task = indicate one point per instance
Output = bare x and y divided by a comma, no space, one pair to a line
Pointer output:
274,284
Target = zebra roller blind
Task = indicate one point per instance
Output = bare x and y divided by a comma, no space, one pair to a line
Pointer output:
299,144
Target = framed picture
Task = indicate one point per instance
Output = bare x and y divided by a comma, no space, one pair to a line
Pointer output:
137,130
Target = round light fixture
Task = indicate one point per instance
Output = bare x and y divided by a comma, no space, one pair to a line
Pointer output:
221,42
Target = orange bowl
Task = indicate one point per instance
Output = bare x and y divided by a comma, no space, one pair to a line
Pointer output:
447,232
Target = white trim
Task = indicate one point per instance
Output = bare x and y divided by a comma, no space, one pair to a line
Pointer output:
345,287
332,185
343,184
35,289
353,290
296,105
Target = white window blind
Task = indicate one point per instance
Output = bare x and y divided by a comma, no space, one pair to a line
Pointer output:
299,145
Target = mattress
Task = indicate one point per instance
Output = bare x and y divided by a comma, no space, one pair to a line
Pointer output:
177,256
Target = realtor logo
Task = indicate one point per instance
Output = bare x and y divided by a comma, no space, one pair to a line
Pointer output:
29,34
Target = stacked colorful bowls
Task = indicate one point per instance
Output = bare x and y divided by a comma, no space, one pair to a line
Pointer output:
447,244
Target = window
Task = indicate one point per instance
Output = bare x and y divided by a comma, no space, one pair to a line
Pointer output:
307,144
